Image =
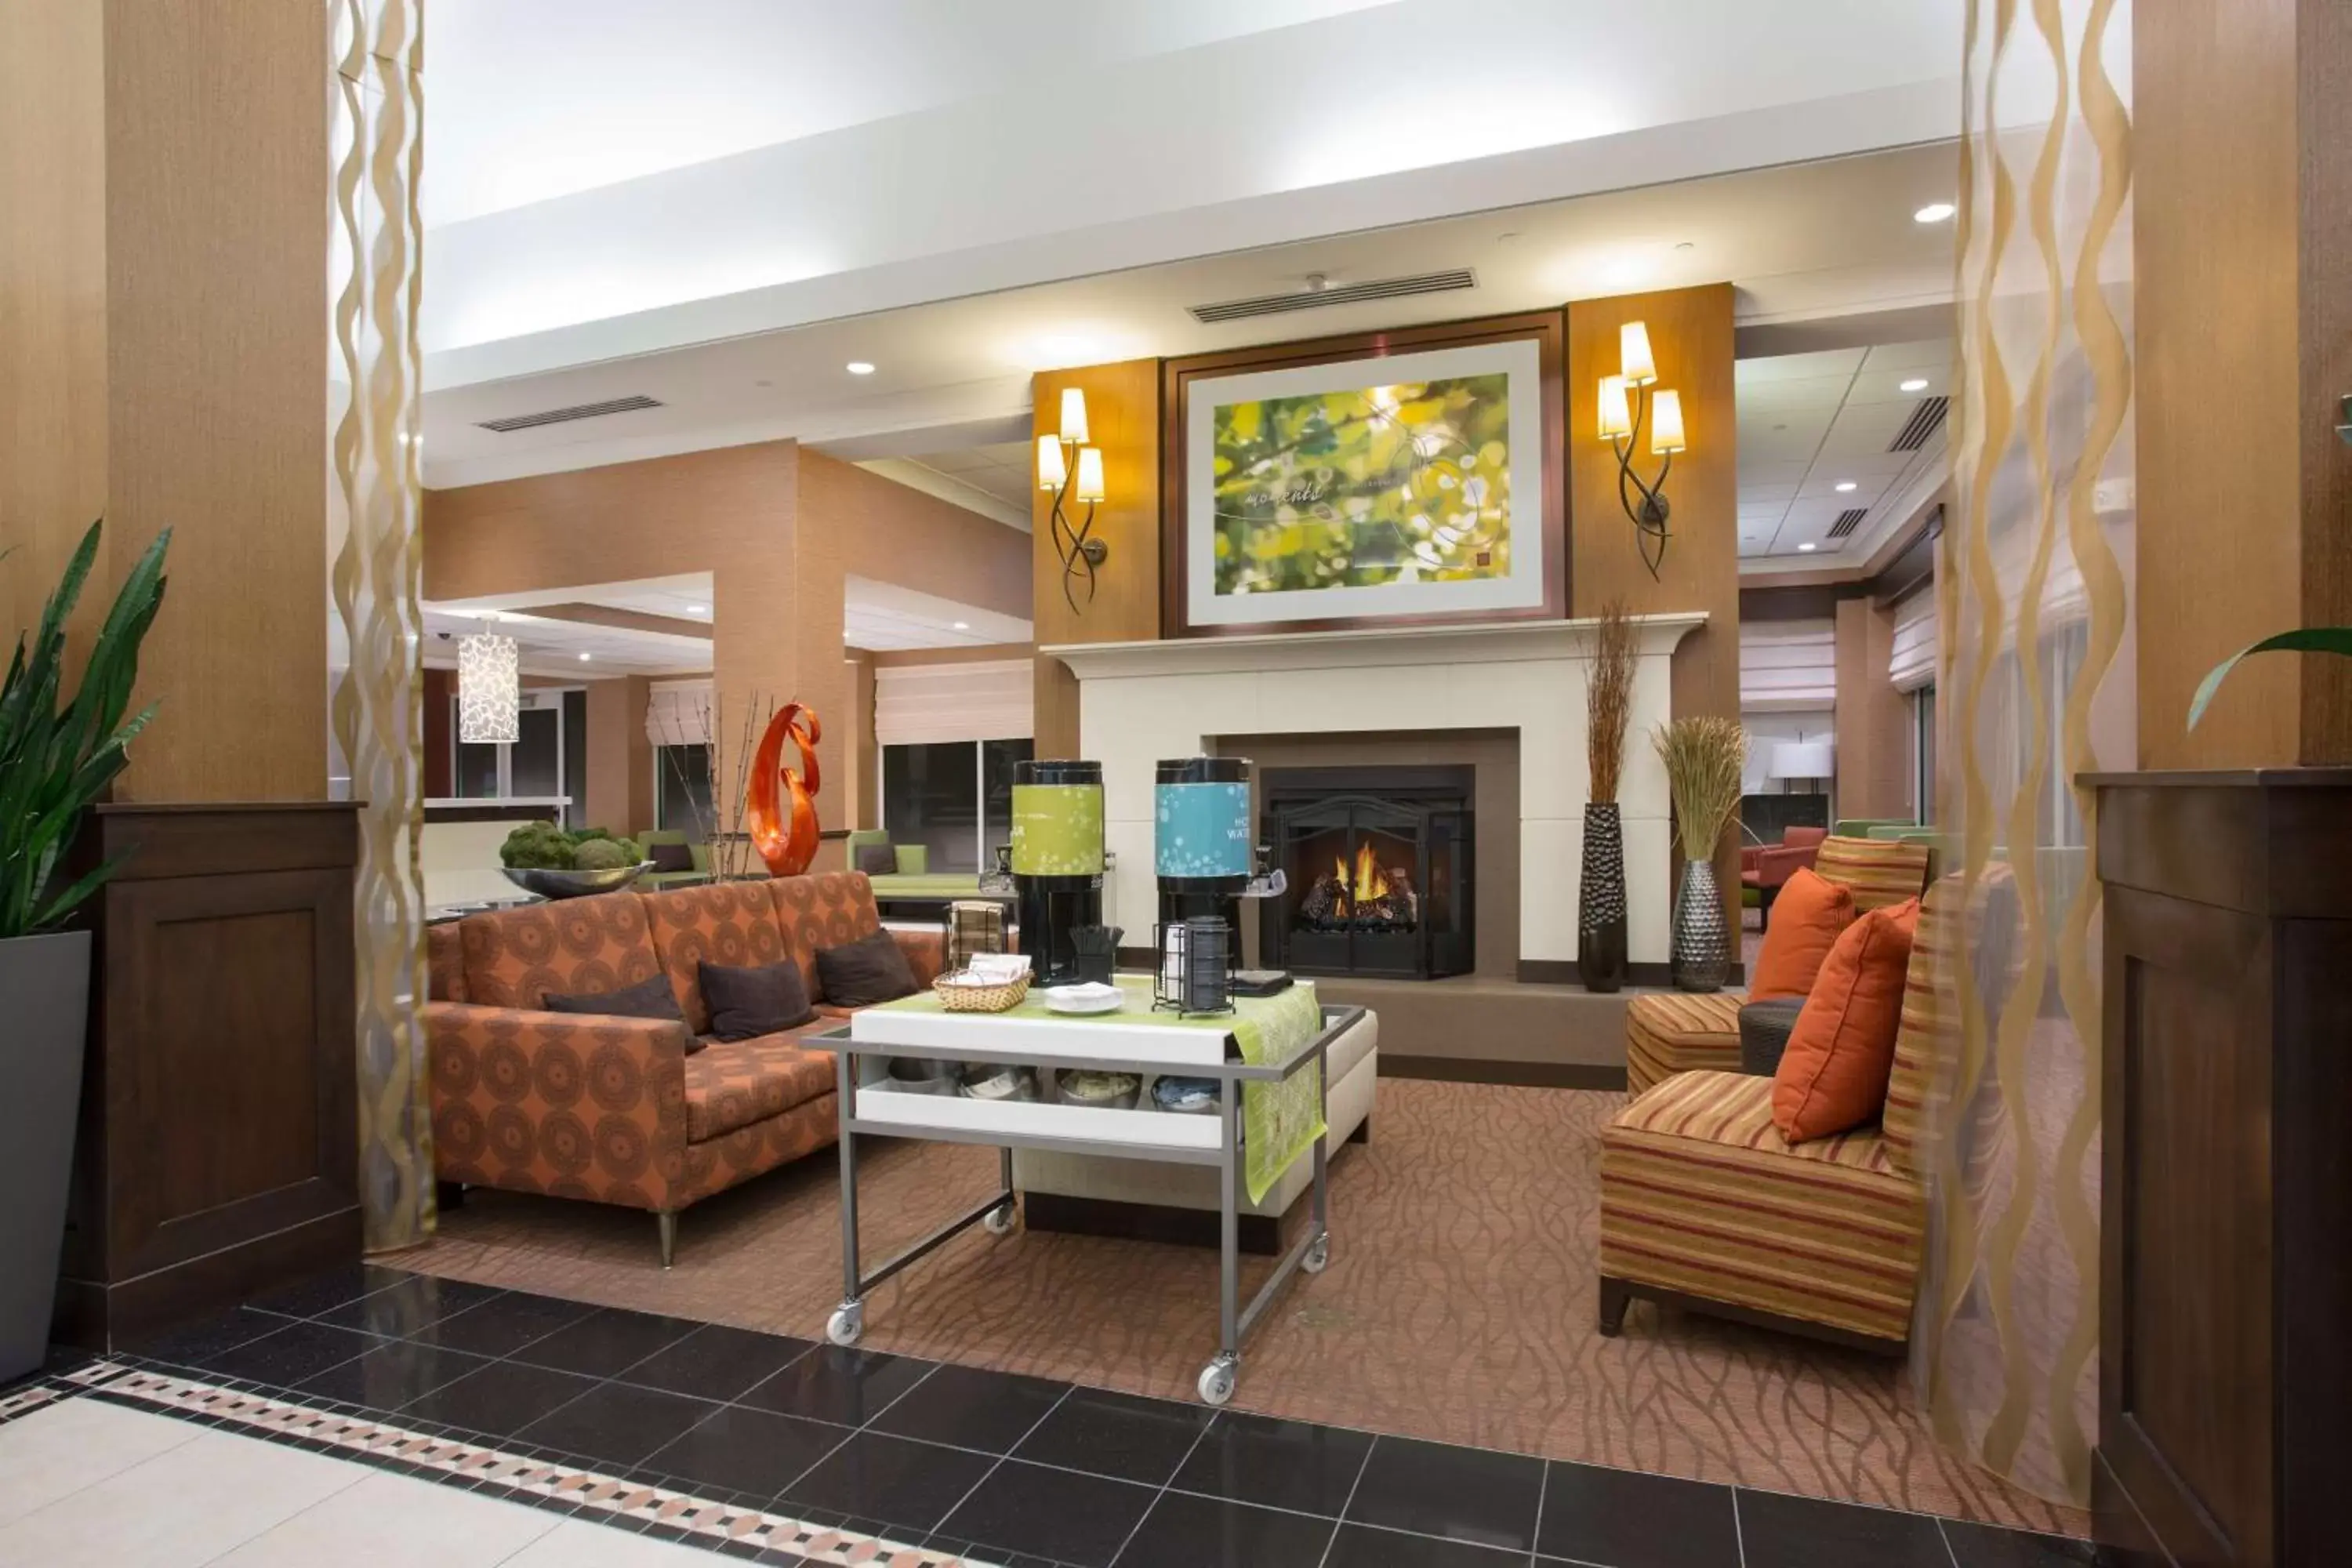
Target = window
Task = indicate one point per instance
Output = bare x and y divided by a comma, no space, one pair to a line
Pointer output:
954,797
548,753
1923,753
682,789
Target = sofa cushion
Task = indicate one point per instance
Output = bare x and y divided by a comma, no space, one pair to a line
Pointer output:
445,964
1832,1075
573,946
734,1083
1699,1192
862,973
746,1002
670,856
1667,1032
823,910
733,923
1808,917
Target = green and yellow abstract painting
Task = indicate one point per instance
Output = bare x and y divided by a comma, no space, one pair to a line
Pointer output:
1370,485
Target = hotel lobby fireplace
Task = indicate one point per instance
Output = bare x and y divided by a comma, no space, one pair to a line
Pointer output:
1379,862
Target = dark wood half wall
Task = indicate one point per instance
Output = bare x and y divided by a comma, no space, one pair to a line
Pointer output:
217,1153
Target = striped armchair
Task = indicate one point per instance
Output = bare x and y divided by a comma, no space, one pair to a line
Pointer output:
1705,1205
1667,1032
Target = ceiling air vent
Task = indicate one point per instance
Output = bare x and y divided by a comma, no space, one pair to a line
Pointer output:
1848,521
1316,299
514,422
1924,421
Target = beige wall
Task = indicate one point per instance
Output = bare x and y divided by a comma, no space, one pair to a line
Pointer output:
163,201
779,528
1874,720
619,789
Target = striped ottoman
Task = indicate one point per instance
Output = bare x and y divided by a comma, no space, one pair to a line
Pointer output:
1667,1032
1702,1197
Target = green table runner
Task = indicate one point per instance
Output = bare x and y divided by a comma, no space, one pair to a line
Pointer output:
1281,1120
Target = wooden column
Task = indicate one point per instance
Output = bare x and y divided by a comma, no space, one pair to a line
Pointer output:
1123,419
1874,739
164,174
620,784
2241,165
1691,336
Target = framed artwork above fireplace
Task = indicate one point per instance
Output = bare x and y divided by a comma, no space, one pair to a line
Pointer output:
1386,478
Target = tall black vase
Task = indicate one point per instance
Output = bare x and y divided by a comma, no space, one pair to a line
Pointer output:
1600,899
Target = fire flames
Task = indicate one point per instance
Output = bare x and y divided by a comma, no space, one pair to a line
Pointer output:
1368,885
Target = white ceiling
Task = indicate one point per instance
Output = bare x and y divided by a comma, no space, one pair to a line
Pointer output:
552,647
606,178
1811,423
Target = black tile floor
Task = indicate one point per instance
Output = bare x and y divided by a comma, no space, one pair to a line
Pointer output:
1017,1471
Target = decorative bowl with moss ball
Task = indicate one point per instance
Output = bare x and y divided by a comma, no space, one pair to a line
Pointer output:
543,858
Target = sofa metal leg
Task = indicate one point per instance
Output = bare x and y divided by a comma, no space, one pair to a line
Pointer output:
1615,1297
669,1235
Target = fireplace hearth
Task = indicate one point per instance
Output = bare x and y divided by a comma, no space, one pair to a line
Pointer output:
1379,861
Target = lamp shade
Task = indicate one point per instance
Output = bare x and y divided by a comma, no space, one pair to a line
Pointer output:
1090,474
1633,355
1074,415
1616,417
489,691
1057,819
1667,422
1053,468
1802,760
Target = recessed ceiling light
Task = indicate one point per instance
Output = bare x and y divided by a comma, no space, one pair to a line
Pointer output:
1934,212
963,625
697,609
1805,547
858,367
586,656
1916,384
1845,485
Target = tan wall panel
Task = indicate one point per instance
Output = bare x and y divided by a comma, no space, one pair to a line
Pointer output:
1691,337
1123,417
1874,737
892,533
619,789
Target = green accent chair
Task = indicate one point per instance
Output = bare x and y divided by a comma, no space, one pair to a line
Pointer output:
913,877
1866,827
657,880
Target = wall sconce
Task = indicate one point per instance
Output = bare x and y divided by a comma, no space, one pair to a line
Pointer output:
1066,464
1627,402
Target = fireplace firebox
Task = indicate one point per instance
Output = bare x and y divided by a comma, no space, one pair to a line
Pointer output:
1379,862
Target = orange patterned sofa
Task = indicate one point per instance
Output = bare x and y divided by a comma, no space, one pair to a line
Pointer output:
615,1110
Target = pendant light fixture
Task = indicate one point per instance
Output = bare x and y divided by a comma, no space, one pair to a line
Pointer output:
489,691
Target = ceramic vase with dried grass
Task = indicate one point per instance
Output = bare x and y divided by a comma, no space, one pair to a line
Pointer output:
1600,957
1704,760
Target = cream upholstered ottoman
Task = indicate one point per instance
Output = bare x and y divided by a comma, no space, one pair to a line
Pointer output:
1096,1196
1667,1032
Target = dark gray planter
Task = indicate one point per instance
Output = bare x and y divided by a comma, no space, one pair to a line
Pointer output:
1600,899
45,999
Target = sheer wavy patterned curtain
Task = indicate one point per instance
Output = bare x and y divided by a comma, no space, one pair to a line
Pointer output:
2034,608
374,501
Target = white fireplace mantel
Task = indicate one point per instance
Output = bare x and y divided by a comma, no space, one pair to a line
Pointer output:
1141,702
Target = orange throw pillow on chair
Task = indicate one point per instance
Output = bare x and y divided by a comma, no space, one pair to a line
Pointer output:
1833,1074
1808,914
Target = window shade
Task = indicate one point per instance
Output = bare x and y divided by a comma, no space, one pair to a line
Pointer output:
1913,663
916,704
678,713
1785,666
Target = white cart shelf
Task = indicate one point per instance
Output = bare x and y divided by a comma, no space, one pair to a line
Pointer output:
870,1107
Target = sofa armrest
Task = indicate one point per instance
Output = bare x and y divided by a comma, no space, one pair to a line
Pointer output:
926,953
1775,863
581,1105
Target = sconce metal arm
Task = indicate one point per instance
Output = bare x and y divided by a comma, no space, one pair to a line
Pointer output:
1078,550
1650,517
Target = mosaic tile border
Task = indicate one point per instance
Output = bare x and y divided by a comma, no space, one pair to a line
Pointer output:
580,1491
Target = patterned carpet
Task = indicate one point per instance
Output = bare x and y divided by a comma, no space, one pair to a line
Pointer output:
1459,1306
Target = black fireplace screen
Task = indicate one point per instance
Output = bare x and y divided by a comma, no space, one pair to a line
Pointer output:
1379,862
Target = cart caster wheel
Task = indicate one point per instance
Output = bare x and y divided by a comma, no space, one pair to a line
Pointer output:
998,1221
1217,1381
846,1324
1318,1254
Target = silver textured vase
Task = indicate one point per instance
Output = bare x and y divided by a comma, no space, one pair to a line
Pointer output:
1702,951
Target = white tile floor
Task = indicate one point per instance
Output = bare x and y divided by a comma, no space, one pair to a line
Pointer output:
89,1485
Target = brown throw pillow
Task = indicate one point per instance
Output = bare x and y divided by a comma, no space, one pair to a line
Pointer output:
765,999
650,998
670,856
859,973
877,860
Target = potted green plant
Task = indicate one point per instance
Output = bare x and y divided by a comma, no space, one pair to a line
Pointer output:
57,756
2308,639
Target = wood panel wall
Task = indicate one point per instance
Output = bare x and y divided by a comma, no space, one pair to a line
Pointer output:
163,169
1123,417
1691,337
2241,129
618,791
1874,720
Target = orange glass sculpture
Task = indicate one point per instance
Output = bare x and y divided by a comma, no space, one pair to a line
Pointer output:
787,847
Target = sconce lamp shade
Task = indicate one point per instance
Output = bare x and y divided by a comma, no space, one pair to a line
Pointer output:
1633,351
1052,466
1616,416
489,692
1074,415
1802,760
1667,422
1090,474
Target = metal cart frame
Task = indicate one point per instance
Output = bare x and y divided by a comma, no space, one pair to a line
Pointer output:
1234,1321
